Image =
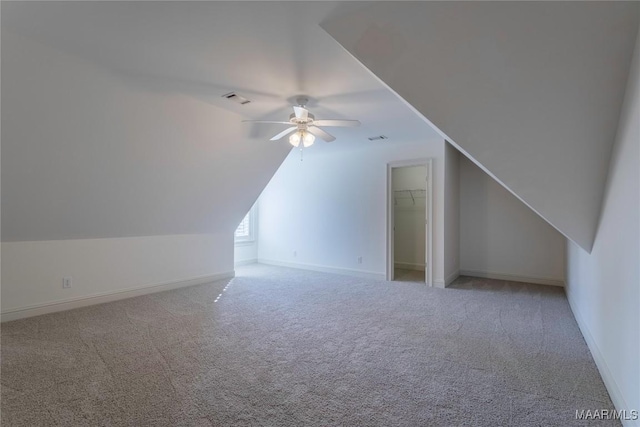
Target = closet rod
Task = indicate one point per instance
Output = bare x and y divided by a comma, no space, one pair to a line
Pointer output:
410,194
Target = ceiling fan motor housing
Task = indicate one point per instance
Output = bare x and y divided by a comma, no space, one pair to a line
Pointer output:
294,119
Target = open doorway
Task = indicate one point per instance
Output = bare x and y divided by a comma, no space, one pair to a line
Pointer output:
409,248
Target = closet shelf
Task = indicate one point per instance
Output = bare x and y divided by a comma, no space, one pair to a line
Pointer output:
409,194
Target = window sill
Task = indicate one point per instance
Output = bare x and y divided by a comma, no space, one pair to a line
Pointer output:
244,242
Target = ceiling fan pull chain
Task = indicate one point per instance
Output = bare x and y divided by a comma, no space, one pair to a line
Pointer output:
301,146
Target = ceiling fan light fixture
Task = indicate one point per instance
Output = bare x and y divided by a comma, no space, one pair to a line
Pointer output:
295,138
308,139
303,136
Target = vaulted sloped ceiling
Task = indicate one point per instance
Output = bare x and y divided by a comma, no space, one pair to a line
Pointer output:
114,125
530,91
87,153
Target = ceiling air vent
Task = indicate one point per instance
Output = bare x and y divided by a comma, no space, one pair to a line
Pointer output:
377,138
237,98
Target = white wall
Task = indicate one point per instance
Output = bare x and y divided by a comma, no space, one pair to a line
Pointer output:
409,178
93,159
500,236
32,271
604,287
245,252
89,153
519,86
451,213
331,207
409,217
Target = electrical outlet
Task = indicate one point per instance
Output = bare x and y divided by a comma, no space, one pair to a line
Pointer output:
359,260
67,282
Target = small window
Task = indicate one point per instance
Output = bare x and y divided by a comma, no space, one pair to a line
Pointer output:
246,230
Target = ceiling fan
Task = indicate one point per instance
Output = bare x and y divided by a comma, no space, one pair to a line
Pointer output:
305,126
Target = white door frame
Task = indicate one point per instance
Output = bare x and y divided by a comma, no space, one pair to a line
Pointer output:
428,271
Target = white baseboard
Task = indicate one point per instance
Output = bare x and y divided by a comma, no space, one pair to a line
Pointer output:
325,269
610,383
102,297
246,262
450,278
513,278
409,266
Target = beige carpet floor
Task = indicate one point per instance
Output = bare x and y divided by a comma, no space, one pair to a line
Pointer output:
285,347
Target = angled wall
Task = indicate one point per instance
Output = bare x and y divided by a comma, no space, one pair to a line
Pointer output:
89,153
501,238
531,91
604,287
115,184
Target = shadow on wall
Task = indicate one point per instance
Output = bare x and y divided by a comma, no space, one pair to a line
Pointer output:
474,215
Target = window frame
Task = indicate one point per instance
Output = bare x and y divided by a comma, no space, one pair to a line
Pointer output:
251,238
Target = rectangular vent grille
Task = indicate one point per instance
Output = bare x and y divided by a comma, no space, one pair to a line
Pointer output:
378,138
237,98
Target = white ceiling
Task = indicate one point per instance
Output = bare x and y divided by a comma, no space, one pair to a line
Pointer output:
268,52
531,91
113,123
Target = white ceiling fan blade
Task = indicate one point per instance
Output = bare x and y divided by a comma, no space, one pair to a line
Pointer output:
284,133
321,134
266,121
331,122
301,113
